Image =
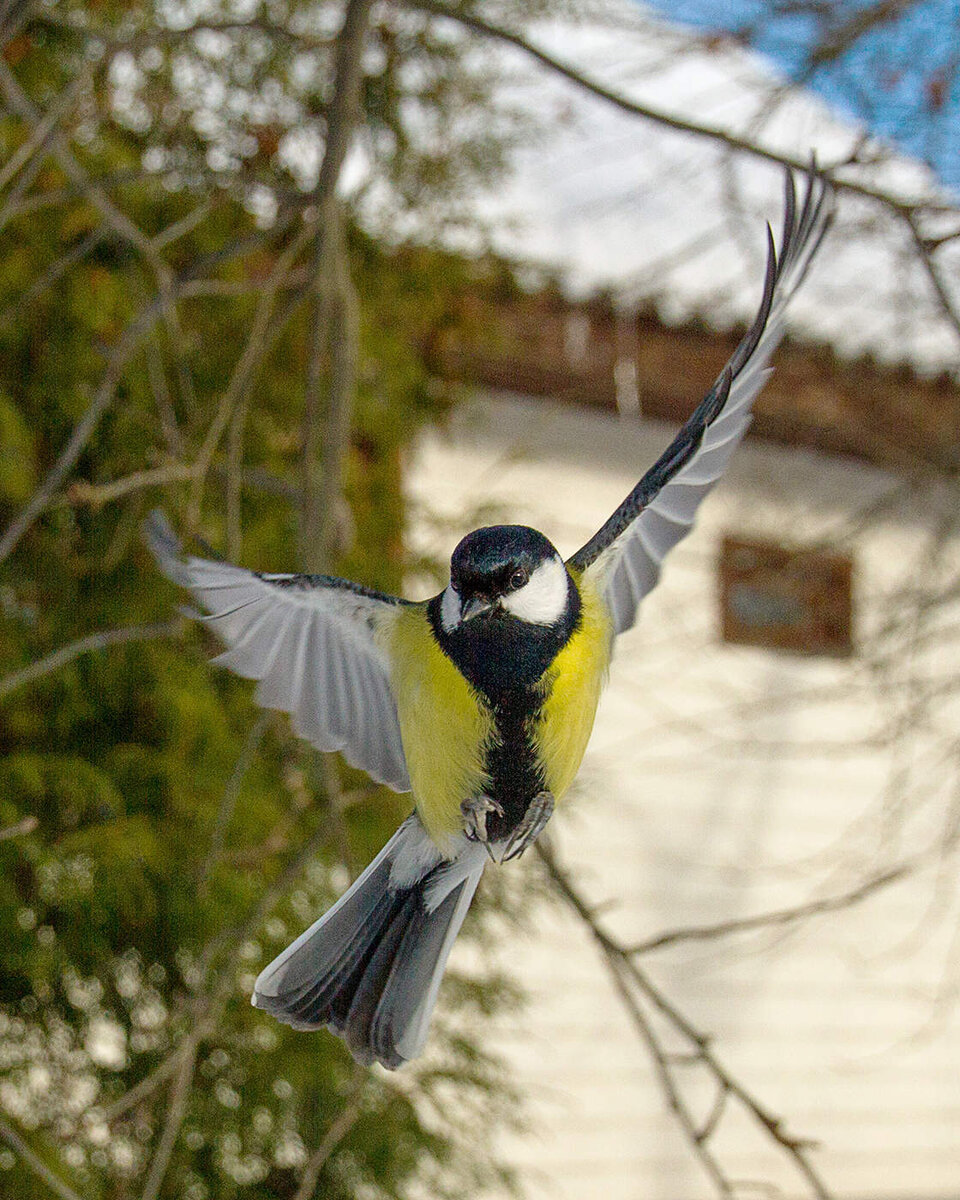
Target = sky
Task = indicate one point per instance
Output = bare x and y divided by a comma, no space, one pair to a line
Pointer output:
900,79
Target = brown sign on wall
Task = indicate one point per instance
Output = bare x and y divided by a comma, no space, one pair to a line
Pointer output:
786,599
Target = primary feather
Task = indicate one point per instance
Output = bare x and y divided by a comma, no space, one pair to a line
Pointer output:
626,553
315,644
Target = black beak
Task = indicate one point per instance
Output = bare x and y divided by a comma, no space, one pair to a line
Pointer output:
476,606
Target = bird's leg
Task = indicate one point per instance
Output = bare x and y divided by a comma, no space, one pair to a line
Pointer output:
539,811
475,812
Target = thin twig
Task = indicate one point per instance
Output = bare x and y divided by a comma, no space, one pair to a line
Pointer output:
344,1122
145,1087
36,1164
633,985
663,117
176,1112
231,792
335,323
258,342
20,829
278,280
122,352
333,319
86,645
769,920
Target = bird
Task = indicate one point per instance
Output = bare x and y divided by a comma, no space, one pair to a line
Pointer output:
479,701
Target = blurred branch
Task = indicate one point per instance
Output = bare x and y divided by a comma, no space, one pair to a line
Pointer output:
19,102
86,645
20,829
36,1164
208,1008
145,1087
844,31
122,352
907,210
230,793
336,323
41,129
333,321
635,990
176,1111
341,1126
770,920
234,474
55,271
263,332
663,116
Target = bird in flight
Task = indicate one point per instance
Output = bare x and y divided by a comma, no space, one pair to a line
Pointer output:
479,701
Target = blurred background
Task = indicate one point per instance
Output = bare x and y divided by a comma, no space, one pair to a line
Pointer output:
332,283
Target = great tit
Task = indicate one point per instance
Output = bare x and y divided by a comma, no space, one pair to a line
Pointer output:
479,701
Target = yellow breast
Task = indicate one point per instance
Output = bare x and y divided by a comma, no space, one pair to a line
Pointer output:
574,682
442,722
445,725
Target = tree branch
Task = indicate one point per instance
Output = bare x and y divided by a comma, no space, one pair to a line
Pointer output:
86,645
769,920
341,1126
333,316
636,989
36,1164
664,117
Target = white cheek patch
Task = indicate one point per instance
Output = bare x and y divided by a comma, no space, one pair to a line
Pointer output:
450,608
543,598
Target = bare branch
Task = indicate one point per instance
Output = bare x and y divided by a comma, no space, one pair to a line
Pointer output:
228,801
341,1126
636,988
770,920
86,645
668,119
145,1087
122,352
335,313
176,1111
258,343
20,829
334,321
36,1164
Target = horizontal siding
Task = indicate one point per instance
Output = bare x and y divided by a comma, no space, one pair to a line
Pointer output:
680,818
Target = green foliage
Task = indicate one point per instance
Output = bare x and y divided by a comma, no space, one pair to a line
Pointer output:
157,881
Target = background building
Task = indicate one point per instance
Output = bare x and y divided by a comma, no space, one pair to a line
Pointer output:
725,782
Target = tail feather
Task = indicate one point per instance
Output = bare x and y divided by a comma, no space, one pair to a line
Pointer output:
370,968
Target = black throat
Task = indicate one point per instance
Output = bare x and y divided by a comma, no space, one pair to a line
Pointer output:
506,660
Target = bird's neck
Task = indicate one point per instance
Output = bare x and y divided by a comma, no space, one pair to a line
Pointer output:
503,657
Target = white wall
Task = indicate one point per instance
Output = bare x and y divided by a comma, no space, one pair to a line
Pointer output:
841,1025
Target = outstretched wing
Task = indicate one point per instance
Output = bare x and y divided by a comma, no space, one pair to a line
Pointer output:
624,557
311,641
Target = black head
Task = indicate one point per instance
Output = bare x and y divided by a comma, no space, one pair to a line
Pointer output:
494,563
509,607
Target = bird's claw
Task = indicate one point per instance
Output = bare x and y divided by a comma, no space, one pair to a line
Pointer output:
475,811
539,811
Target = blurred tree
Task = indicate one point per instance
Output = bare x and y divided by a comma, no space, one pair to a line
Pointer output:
210,299
191,314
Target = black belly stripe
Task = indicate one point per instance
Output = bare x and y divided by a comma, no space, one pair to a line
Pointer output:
507,662
512,763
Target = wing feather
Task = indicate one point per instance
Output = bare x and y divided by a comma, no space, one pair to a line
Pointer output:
311,642
625,556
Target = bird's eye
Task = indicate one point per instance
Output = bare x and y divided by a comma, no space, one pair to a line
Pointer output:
518,579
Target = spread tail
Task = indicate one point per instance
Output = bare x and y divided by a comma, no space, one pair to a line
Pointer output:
370,968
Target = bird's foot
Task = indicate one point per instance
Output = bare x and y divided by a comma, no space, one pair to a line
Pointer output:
539,811
475,812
